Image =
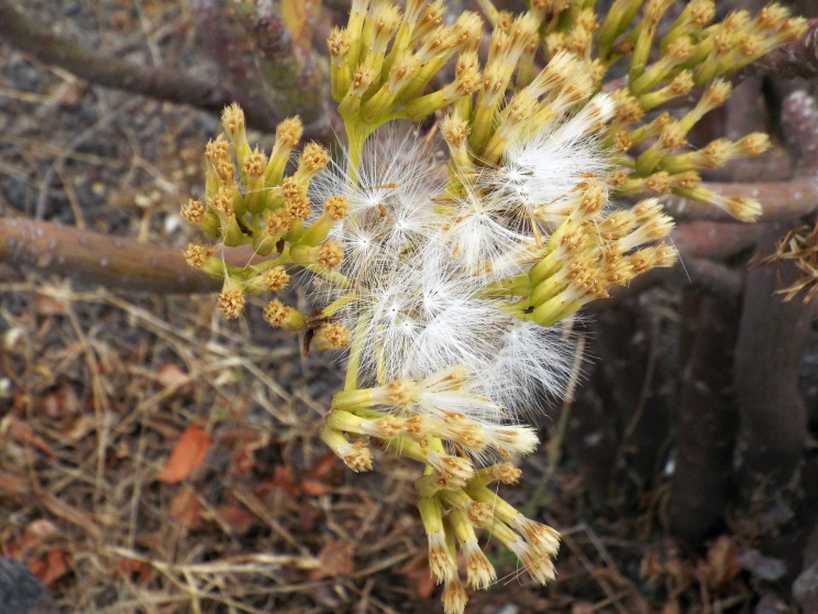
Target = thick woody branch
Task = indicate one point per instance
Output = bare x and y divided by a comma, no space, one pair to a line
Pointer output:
161,83
714,240
771,341
118,262
98,259
707,421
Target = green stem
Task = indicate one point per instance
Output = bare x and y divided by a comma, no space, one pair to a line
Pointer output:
355,350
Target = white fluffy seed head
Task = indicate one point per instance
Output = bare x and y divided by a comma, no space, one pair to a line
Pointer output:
544,169
418,265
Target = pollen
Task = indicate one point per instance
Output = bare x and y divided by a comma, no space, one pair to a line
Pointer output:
754,144
276,313
233,119
658,182
507,473
332,336
672,136
223,201
358,458
195,254
455,131
231,302
479,571
628,109
454,597
254,164
338,43
480,514
278,223
217,149
288,132
297,205
330,255
194,211
314,158
276,278
717,94
682,83
389,427
702,12
743,208
336,207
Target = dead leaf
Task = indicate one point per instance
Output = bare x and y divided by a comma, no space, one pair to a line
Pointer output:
283,478
13,485
51,567
47,305
418,574
722,564
186,509
187,455
314,488
244,443
80,428
133,568
171,376
335,560
237,518
583,607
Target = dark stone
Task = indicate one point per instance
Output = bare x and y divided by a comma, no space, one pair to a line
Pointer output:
21,592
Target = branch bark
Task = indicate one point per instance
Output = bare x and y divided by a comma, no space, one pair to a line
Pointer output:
121,262
170,85
772,337
95,258
706,417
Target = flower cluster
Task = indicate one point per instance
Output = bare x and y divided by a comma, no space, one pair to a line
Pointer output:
452,278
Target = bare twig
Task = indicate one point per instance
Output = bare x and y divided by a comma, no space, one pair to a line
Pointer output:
167,84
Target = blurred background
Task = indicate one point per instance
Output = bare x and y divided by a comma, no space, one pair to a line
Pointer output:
156,458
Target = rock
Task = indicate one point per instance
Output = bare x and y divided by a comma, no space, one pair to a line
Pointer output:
21,592
805,589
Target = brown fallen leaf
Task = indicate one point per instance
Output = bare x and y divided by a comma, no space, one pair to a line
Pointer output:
171,375
237,518
417,573
13,485
135,570
722,564
51,567
335,560
187,455
186,509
